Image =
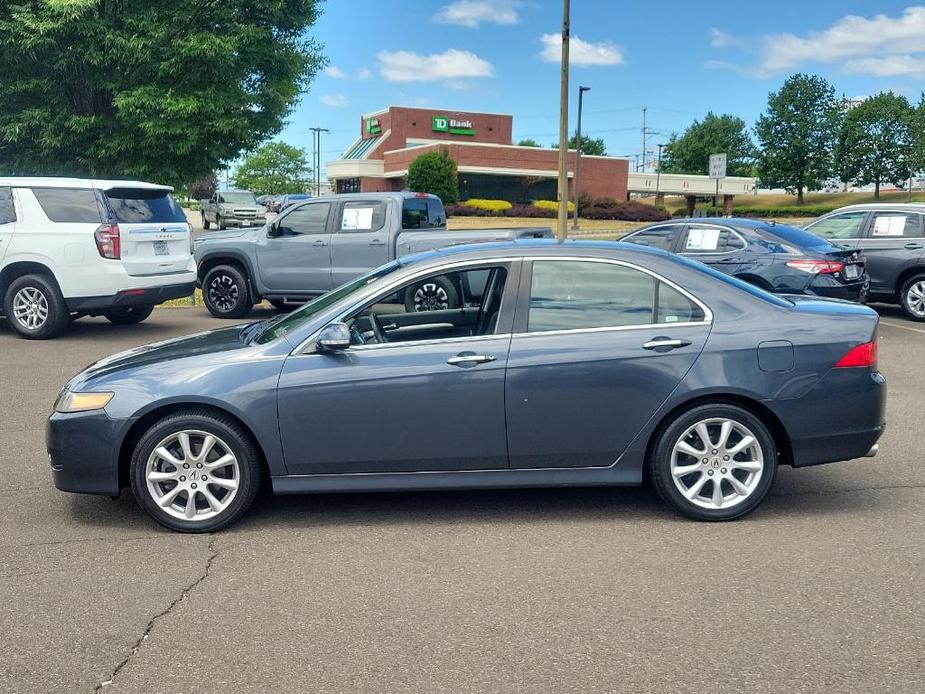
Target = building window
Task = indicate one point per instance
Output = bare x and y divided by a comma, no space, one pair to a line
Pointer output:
348,185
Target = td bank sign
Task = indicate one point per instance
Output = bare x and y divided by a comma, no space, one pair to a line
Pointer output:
443,124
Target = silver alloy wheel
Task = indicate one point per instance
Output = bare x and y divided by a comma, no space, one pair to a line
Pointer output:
431,297
192,475
717,463
223,292
915,299
30,308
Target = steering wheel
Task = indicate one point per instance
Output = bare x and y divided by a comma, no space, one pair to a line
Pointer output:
378,330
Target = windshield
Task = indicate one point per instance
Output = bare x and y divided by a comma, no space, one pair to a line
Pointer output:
241,197
314,307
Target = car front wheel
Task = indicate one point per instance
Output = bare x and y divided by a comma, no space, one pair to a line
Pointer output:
714,462
226,293
912,297
195,471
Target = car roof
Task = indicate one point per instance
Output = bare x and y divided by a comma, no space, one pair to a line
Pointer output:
873,206
787,232
62,182
399,195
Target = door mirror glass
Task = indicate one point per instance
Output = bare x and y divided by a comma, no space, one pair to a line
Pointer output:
334,337
272,230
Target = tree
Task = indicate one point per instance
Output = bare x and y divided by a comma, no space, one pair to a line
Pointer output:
875,142
434,172
203,188
165,91
690,153
589,145
917,127
797,134
529,142
275,168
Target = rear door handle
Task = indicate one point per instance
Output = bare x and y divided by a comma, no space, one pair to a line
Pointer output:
377,242
319,242
912,246
469,359
665,344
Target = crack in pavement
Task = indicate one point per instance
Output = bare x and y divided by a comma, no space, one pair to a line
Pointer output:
213,553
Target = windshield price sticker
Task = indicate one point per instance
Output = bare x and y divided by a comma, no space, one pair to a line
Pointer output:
893,225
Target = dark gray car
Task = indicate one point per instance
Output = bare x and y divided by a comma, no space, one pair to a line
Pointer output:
585,363
892,239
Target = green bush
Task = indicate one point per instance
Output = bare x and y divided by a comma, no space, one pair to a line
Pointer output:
489,206
553,205
435,173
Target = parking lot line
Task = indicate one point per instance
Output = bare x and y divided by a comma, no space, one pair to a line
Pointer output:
900,325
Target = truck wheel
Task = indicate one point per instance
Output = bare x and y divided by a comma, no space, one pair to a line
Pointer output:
912,297
34,307
220,223
431,295
129,315
226,292
205,222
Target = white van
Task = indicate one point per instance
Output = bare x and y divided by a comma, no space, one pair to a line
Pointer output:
73,247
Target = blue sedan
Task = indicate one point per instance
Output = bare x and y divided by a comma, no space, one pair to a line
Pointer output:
584,363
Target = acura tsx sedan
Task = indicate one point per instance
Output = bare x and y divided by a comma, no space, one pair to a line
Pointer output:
583,363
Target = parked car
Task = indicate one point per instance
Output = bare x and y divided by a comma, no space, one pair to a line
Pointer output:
317,245
892,239
776,257
272,203
588,363
264,200
290,199
73,247
232,208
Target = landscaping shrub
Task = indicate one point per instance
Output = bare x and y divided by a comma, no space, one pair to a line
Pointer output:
625,211
531,211
489,206
463,211
553,205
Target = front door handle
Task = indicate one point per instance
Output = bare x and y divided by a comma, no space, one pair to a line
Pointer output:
469,359
320,242
665,344
912,246
377,242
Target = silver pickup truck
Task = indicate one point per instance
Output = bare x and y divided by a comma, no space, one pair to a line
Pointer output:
232,208
313,247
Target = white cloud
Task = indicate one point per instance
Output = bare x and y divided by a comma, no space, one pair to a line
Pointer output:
471,13
364,74
880,45
334,72
580,52
722,39
452,66
334,100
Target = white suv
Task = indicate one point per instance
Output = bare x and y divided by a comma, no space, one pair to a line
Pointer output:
72,247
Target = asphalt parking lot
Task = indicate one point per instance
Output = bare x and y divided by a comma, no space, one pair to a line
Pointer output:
820,590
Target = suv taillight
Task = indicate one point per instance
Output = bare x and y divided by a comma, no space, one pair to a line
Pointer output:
817,267
862,355
107,241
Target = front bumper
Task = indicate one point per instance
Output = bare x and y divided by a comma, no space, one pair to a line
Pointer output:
144,296
83,448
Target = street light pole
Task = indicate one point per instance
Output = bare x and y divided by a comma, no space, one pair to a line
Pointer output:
562,222
316,157
658,172
581,92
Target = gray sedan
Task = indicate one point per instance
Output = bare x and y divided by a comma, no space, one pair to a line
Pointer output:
585,363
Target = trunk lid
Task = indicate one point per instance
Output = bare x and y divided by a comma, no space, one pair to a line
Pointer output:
153,232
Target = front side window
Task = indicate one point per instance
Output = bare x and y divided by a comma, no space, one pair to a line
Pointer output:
362,216
143,205
839,226
576,295
895,224
308,219
663,237
69,205
7,208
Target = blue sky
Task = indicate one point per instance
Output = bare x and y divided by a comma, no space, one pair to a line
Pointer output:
678,59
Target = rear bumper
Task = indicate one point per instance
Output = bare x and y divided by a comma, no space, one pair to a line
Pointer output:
827,286
83,449
142,296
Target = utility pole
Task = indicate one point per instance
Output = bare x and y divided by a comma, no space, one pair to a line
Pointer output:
562,222
316,157
581,92
644,138
658,172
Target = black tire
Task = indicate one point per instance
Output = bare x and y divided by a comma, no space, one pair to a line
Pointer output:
431,295
909,294
716,467
53,316
219,223
226,292
205,222
228,435
281,306
129,315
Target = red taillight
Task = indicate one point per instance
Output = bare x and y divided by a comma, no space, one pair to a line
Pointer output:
817,267
862,355
107,241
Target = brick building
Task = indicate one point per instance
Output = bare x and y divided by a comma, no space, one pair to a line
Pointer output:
490,166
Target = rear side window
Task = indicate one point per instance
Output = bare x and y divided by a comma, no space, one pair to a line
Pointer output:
887,224
839,226
7,208
69,205
663,237
141,205
422,213
362,216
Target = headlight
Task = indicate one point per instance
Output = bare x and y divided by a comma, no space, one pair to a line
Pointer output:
81,402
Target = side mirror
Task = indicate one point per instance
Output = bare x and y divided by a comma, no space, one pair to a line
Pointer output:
334,337
272,230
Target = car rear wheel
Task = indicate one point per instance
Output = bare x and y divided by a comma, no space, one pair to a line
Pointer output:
431,295
714,462
195,471
205,222
34,307
129,315
912,297
226,293
220,223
